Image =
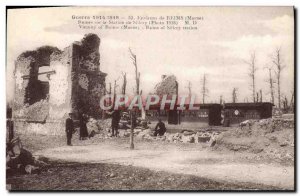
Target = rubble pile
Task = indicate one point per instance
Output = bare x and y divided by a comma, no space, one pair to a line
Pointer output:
186,136
98,126
95,125
260,127
275,124
273,138
31,114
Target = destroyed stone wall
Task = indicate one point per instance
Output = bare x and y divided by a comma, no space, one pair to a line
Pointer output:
168,86
28,102
88,81
73,83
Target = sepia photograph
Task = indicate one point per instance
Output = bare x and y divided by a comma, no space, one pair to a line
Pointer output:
150,98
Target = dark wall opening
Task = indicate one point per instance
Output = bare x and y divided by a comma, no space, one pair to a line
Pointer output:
38,87
36,91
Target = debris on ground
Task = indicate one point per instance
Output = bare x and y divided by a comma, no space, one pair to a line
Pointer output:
272,137
185,136
21,161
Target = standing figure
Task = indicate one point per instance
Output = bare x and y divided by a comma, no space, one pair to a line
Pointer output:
116,116
83,128
69,129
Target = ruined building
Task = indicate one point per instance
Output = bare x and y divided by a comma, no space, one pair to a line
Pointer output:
168,86
50,83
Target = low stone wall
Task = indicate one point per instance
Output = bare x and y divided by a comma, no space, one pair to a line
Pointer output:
48,128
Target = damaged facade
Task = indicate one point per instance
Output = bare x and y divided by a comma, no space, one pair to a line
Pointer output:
50,83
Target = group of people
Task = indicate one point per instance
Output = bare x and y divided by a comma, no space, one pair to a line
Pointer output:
70,128
159,130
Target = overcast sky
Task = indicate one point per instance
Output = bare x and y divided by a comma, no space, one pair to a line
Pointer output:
225,39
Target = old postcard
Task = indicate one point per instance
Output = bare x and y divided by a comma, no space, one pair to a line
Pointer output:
150,98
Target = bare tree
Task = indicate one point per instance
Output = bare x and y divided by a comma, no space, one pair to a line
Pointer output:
221,99
137,73
277,61
115,90
260,96
234,95
252,71
285,103
292,101
115,87
204,90
103,113
137,92
271,82
109,91
124,83
189,87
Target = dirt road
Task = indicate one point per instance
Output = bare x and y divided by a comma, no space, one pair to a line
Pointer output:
193,160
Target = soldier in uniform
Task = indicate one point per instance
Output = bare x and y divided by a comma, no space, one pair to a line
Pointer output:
69,129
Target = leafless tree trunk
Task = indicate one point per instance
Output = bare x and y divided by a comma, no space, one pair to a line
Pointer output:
234,95
221,99
189,87
137,80
271,82
204,90
137,74
103,113
260,96
277,61
109,92
115,87
292,101
252,71
124,83
285,103
115,90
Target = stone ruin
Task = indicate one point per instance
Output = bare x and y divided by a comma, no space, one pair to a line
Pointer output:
50,83
168,86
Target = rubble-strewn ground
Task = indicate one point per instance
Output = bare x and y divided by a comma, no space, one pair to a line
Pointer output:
259,157
99,176
268,139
